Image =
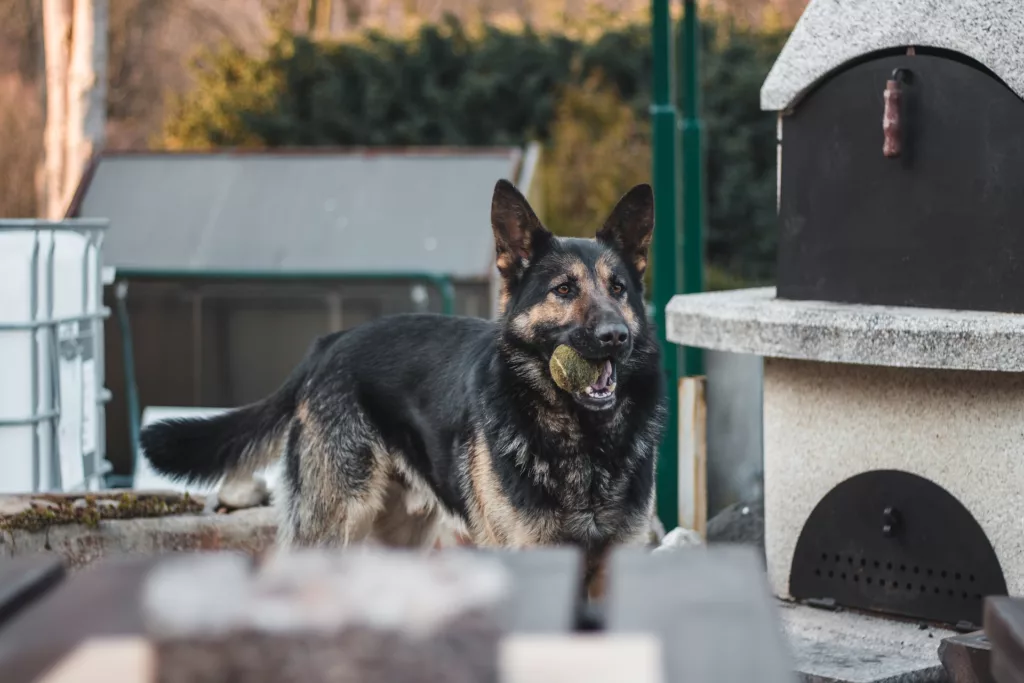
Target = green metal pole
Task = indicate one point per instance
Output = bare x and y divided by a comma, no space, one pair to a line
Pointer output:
131,387
446,288
665,274
693,172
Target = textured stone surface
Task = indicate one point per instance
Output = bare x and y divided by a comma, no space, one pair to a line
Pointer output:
825,422
844,647
144,503
250,531
352,616
832,32
754,321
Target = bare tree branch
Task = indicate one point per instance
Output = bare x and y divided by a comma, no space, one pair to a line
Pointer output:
75,36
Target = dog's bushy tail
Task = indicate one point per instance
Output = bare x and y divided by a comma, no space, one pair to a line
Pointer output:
202,450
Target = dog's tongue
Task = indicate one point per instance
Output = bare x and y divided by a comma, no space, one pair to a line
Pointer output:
606,375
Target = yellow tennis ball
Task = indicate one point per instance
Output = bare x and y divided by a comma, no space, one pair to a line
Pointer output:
571,371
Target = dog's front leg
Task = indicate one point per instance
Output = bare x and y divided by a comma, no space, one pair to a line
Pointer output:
595,572
596,564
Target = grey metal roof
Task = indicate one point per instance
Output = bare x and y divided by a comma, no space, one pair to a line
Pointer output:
299,212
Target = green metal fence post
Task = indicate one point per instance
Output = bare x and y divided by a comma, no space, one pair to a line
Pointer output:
446,289
128,356
693,172
665,275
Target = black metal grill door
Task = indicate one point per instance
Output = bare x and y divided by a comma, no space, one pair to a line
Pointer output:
939,226
894,542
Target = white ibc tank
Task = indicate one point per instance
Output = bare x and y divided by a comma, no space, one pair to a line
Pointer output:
51,356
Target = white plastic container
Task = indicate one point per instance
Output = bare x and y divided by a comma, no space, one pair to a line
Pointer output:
51,356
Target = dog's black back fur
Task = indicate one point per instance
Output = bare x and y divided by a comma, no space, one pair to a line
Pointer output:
466,406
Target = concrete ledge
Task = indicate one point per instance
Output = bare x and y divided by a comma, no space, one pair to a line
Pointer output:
754,321
248,531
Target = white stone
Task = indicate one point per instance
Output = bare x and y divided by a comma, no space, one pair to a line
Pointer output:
678,539
754,321
245,492
830,33
825,422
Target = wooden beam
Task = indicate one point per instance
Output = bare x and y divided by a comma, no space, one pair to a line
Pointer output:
693,455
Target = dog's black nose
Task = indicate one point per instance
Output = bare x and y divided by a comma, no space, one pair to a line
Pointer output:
612,335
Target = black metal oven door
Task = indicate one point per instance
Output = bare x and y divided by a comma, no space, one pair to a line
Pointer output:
894,542
935,219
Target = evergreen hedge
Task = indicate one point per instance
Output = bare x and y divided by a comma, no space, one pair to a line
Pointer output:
445,86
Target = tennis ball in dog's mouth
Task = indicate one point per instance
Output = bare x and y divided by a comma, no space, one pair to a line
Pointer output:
571,371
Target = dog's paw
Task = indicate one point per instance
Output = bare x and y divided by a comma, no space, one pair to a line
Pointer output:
238,494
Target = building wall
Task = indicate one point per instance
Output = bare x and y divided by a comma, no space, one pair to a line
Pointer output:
734,429
249,336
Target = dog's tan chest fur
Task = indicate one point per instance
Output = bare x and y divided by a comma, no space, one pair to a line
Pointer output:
582,515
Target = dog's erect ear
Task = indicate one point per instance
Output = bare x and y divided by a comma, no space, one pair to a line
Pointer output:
630,226
518,232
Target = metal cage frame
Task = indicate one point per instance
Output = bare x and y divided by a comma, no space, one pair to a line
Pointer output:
90,329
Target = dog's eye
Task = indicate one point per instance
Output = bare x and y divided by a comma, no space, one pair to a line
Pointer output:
617,289
563,290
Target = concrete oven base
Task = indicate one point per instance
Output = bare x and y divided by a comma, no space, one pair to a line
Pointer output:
825,422
852,388
845,647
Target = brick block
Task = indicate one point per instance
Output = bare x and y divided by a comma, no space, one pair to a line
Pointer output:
966,658
1004,627
711,608
24,579
316,616
544,589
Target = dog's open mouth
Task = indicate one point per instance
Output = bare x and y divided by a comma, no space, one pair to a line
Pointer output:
600,394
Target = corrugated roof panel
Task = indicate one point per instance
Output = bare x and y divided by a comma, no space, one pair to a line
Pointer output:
295,213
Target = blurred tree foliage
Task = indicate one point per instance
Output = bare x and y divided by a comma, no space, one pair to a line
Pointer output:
586,100
599,148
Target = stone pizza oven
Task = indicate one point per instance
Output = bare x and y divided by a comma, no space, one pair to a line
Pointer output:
894,340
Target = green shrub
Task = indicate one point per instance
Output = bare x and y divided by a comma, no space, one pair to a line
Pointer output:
587,101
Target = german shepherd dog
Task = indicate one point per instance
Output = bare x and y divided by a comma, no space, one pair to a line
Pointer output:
409,421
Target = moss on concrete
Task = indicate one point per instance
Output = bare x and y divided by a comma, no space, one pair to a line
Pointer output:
46,510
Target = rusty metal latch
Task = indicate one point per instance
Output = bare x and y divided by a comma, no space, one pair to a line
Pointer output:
892,124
